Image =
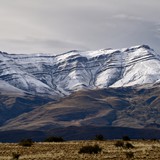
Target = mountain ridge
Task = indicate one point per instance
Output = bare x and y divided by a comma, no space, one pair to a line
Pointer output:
61,75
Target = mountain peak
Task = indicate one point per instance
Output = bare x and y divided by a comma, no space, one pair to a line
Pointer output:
143,46
4,53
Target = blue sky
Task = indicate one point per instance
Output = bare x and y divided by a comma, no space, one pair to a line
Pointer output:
56,26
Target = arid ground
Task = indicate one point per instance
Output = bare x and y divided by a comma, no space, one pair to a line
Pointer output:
148,150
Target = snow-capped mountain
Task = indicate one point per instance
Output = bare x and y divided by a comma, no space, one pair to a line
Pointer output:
77,70
32,87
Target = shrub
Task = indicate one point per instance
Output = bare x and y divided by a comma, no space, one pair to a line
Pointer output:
90,149
99,137
129,155
15,156
26,142
54,139
126,138
119,144
154,139
129,146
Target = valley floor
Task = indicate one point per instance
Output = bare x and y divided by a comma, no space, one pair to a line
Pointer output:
148,150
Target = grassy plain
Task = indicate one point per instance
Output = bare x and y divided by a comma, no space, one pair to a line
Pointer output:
148,150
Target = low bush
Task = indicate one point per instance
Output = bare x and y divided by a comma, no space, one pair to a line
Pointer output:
129,145
99,137
119,144
129,155
15,156
54,139
90,149
124,145
126,138
154,139
26,142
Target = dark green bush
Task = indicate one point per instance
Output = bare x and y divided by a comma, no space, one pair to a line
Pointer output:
54,139
126,138
124,145
15,156
129,145
154,139
90,149
99,137
26,142
129,155
119,144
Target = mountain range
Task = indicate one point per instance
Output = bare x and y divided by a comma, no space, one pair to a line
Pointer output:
66,73
103,88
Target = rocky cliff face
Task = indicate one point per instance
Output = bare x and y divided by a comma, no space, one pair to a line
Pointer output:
75,70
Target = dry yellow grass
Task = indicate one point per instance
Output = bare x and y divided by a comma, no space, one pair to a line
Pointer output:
148,150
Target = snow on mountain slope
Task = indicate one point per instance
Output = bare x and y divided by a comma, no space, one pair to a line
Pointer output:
7,88
76,70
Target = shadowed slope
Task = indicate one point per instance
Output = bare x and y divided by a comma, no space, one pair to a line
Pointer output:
136,107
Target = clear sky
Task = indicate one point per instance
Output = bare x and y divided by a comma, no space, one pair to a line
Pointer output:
56,26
